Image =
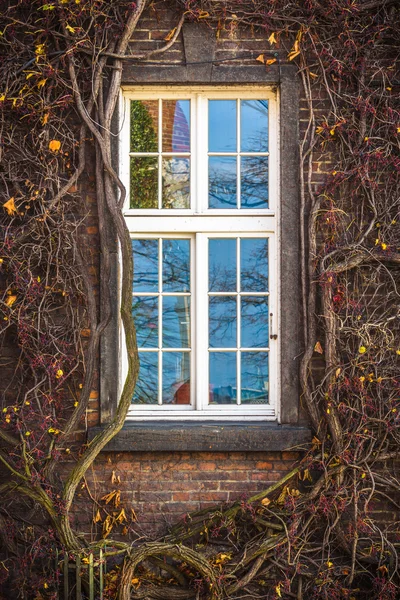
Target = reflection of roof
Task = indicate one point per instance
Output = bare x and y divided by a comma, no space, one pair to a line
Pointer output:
180,132
247,393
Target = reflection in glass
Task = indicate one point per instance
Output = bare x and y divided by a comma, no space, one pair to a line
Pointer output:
254,378
222,388
222,126
222,322
254,125
254,182
144,126
145,265
254,322
254,264
176,378
222,182
176,321
222,265
145,315
176,265
143,182
146,391
176,125
175,184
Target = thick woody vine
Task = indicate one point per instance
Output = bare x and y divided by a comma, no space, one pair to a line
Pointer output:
314,534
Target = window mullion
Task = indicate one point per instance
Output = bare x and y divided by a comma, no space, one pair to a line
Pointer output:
201,288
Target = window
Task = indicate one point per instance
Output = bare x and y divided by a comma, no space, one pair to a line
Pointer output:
201,169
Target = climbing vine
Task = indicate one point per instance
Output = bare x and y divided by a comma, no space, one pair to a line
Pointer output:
316,533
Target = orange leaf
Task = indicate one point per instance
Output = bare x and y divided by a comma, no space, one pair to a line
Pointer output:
10,300
170,35
318,348
97,518
54,145
45,118
10,206
265,501
272,38
260,58
270,61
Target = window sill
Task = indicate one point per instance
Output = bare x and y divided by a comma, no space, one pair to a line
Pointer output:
158,436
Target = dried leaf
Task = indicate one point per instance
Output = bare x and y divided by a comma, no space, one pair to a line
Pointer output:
41,83
272,38
70,29
270,61
337,372
115,478
265,501
45,118
318,348
170,35
133,515
108,497
10,300
260,58
107,526
54,145
121,517
97,517
10,206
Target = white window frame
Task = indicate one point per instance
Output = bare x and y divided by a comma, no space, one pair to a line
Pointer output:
200,223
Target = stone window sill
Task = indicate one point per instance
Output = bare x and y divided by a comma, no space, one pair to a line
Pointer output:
157,436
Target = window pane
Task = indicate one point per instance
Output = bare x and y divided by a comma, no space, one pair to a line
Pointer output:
254,322
222,126
176,321
254,125
176,378
222,322
144,182
222,182
146,391
254,182
254,378
145,315
144,126
176,125
145,265
222,378
222,265
175,184
254,265
176,265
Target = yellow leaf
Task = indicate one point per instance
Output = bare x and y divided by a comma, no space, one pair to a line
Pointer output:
362,350
260,58
97,517
39,49
133,515
41,83
278,591
107,526
265,501
295,51
270,61
70,29
10,300
135,581
10,206
313,75
272,38
59,373
170,35
54,145
318,348
2,97
337,372
121,517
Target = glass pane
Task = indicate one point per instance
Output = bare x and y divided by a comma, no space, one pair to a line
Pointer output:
144,125
254,125
222,126
222,265
144,182
222,322
254,182
146,391
176,265
176,321
176,378
222,378
145,314
175,185
222,184
145,265
254,322
254,378
176,125
254,264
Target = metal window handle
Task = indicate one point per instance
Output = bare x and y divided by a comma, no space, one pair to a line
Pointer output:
273,336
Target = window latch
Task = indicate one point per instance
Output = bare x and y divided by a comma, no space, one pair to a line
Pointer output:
272,335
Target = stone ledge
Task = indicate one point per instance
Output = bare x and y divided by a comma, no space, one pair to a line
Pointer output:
161,436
